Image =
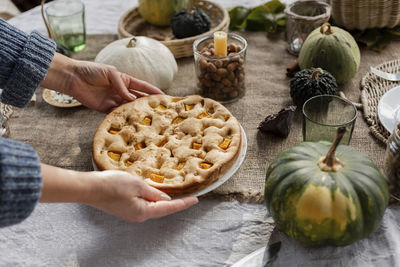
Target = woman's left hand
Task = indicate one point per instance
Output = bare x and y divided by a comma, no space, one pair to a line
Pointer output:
97,86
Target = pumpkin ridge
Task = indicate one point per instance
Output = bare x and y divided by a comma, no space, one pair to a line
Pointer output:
366,171
369,203
280,183
276,179
376,183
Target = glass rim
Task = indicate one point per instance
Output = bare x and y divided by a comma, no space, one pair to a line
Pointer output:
331,125
211,36
51,4
289,12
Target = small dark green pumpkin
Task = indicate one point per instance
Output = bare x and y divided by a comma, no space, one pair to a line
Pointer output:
325,200
312,82
186,24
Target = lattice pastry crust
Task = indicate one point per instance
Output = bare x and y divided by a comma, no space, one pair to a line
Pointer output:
178,145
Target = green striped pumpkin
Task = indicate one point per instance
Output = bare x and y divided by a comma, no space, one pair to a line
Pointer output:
331,49
333,202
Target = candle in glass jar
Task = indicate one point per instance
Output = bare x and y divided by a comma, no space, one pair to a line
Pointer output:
220,44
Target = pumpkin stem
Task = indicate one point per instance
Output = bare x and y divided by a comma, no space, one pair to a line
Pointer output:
326,28
189,7
132,43
330,162
316,72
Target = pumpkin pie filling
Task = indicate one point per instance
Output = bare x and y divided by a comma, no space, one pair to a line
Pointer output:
156,178
225,143
113,130
114,156
146,121
204,114
161,107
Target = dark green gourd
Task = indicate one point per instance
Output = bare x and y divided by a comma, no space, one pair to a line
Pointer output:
186,24
311,82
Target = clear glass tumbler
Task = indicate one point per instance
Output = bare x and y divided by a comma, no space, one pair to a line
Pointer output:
67,23
302,17
324,114
220,78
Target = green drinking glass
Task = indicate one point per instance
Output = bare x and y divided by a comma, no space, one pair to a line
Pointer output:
67,23
324,114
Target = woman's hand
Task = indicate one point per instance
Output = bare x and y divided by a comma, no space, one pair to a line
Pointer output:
116,192
97,86
130,198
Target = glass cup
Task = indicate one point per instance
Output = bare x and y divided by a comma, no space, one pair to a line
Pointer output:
67,23
302,17
220,78
324,114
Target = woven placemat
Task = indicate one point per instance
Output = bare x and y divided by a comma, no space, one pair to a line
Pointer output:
372,89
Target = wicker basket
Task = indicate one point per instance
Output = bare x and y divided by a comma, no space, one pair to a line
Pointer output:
363,14
132,24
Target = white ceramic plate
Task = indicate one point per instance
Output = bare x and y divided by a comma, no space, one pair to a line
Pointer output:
50,100
389,109
255,259
225,177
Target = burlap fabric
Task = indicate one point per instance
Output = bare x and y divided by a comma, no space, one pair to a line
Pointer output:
63,137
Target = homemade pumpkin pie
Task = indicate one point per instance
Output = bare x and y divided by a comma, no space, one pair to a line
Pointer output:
176,144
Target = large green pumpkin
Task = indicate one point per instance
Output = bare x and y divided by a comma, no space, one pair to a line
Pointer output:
159,12
331,49
325,200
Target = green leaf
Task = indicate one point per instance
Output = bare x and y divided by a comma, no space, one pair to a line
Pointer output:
259,19
381,43
275,6
237,16
370,37
395,31
267,17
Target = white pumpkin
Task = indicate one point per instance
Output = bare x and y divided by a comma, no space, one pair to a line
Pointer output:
143,58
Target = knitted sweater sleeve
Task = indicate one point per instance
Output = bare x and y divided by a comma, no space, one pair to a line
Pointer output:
20,181
24,60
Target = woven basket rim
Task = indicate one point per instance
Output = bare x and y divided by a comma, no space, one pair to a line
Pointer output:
177,42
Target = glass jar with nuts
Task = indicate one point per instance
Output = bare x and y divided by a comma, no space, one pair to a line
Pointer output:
221,78
392,162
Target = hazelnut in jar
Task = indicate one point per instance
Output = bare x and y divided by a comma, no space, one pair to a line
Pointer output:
221,78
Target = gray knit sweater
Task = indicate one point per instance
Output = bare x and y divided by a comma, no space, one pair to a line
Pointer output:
24,60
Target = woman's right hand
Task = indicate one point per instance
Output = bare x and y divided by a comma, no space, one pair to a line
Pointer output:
116,192
131,199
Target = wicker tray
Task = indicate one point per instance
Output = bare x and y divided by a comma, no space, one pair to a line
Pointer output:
372,89
363,14
131,23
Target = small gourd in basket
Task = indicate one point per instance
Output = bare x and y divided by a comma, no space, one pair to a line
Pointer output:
159,12
189,22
